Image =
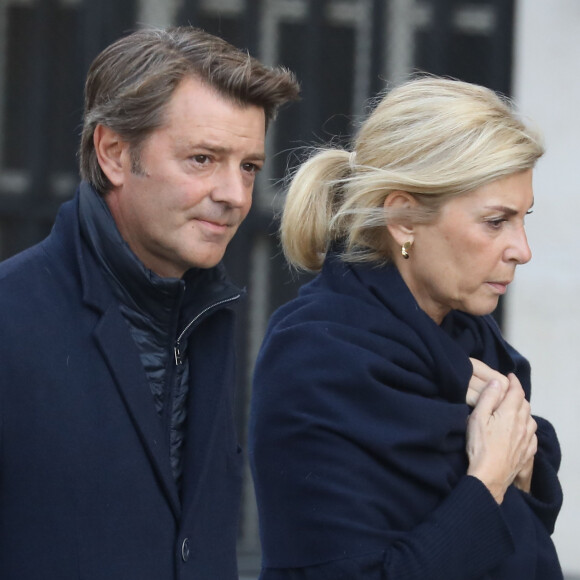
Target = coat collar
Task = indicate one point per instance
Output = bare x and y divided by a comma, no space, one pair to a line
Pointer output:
460,334
117,347
134,284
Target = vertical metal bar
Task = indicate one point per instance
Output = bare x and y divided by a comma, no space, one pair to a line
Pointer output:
39,97
255,267
3,56
37,201
259,267
102,22
502,46
400,30
440,35
267,51
251,23
189,12
37,123
363,73
312,63
378,54
91,17
501,77
156,13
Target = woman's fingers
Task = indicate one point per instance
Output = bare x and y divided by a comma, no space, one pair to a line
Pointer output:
501,440
489,398
482,375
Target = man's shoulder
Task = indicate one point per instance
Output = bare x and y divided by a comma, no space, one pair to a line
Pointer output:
25,265
41,261
34,277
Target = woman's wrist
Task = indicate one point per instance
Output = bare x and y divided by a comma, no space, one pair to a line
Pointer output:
495,488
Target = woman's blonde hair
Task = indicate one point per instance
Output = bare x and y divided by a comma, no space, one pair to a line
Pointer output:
435,138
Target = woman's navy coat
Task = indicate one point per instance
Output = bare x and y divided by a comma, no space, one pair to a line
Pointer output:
357,442
86,489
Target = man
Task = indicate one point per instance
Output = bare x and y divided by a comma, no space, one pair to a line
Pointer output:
118,452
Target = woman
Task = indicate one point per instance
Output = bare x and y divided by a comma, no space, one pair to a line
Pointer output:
367,459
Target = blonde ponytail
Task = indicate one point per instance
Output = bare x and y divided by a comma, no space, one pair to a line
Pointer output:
306,228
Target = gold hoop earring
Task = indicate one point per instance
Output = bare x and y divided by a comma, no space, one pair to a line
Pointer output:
405,249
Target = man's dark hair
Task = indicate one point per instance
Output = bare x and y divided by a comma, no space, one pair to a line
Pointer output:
131,82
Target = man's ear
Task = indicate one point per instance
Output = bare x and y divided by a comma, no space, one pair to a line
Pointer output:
400,226
112,154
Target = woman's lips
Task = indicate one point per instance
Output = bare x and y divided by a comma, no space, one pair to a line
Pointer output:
499,287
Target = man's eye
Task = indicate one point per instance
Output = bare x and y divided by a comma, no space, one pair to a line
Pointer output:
251,167
201,159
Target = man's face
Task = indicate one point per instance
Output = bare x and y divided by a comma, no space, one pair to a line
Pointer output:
193,188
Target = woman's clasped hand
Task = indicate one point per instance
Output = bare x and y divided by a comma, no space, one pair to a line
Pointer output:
501,432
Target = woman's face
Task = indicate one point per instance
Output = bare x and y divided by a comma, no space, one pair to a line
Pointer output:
467,257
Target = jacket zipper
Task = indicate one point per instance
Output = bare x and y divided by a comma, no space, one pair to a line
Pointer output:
177,347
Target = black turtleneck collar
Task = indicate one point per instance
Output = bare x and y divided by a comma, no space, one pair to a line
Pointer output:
138,287
132,281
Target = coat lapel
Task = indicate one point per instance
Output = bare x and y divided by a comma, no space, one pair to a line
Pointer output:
121,355
210,417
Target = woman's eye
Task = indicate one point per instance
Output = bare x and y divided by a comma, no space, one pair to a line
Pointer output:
495,223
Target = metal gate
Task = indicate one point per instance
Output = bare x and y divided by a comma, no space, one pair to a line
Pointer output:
343,51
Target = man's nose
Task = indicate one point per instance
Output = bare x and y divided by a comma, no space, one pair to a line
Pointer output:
232,187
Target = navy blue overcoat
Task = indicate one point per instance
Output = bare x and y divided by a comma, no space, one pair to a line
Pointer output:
86,490
357,442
